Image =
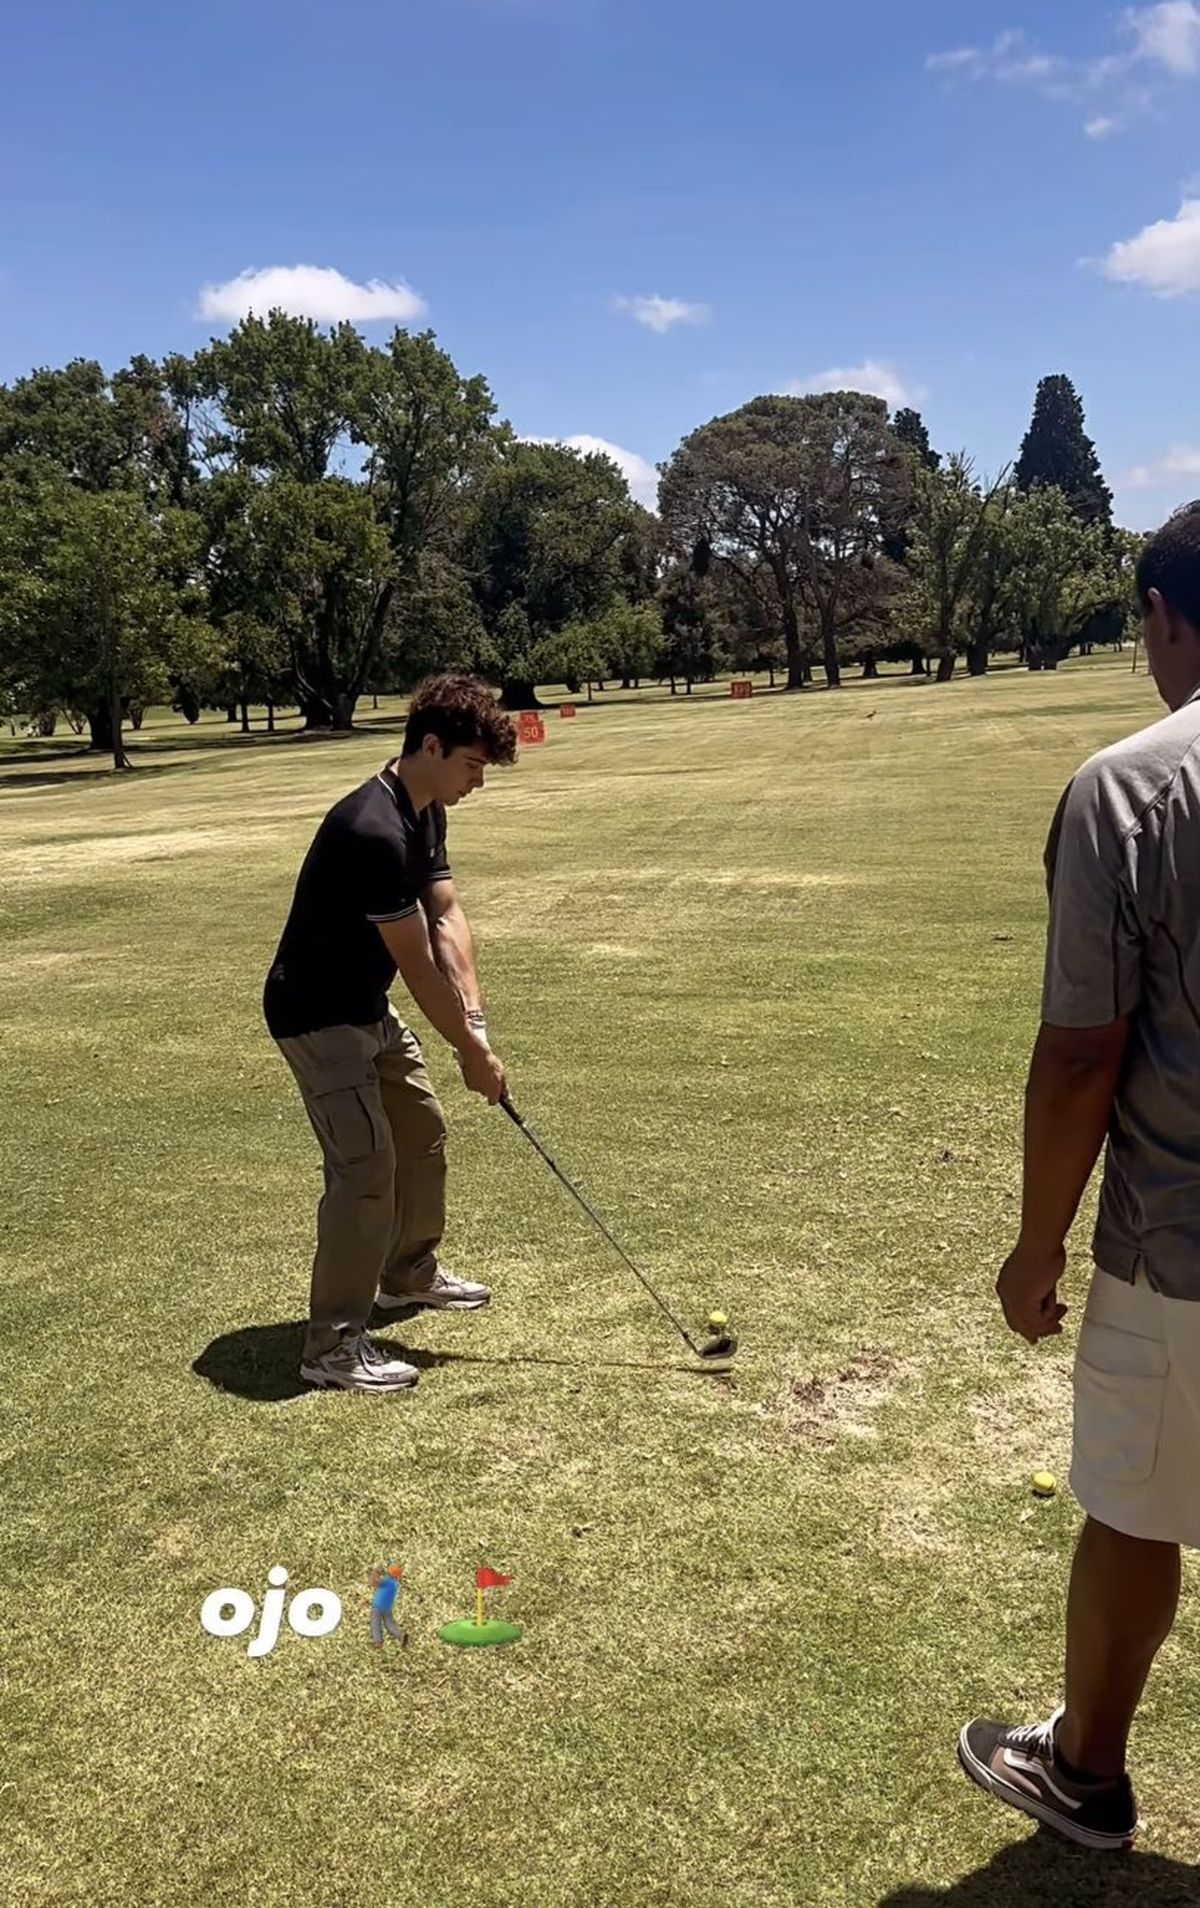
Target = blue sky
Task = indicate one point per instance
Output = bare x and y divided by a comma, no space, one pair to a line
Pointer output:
632,215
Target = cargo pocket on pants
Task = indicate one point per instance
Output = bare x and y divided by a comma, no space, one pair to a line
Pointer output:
350,1128
1120,1398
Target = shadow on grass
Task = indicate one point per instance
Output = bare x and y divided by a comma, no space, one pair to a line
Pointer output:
90,765
1045,1871
262,1362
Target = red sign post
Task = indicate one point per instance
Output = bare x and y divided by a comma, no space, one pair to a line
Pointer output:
741,691
530,727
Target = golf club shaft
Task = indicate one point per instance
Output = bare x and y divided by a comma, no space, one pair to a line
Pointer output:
595,1218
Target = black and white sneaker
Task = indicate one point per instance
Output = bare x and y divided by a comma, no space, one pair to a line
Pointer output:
359,1364
441,1293
1021,1767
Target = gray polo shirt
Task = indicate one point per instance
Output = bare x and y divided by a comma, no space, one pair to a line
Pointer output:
1123,869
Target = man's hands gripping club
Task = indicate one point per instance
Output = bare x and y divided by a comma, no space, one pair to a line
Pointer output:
479,1066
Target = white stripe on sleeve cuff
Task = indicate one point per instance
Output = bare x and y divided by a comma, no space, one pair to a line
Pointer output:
400,914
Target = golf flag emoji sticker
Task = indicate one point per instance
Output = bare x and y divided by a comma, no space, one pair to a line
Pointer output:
473,1635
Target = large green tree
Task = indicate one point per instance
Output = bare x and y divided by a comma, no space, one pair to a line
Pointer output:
993,610
544,547
748,631
430,437
433,625
580,653
1057,452
120,433
691,638
800,490
948,548
282,394
245,600
377,450
101,603
910,431
1064,572
324,563
277,398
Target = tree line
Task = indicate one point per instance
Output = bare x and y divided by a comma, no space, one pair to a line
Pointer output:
294,518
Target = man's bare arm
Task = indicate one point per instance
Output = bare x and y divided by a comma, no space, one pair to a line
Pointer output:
408,943
1068,1105
453,945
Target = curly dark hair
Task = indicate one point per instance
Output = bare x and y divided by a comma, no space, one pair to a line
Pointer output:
462,713
1170,563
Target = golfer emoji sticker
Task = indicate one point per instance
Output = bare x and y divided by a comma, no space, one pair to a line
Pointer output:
468,1635
385,1588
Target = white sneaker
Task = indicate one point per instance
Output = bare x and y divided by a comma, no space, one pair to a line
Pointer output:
359,1364
443,1293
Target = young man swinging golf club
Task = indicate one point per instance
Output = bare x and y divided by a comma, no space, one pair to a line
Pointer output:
375,897
1119,1054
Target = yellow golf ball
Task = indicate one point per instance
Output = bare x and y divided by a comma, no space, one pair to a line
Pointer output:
1045,1484
717,1321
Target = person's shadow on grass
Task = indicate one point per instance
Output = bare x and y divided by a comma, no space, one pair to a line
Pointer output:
262,1362
1045,1872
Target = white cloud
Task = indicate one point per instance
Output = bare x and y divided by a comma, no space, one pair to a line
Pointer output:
1161,43
960,59
659,314
1145,494
1165,257
1168,35
640,475
309,291
873,377
1011,57
1180,461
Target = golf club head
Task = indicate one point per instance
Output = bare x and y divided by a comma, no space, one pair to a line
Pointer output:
723,1346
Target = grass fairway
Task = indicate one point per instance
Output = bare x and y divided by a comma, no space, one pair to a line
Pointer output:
765,976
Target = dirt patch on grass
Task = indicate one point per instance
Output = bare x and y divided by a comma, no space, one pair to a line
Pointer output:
173,1543
820,1410
1025,1429
911,1514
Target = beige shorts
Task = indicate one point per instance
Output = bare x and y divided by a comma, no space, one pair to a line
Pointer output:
1136,1459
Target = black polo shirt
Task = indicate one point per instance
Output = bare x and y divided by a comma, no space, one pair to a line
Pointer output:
370,860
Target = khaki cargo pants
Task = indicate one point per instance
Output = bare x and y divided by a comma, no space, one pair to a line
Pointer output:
383,1139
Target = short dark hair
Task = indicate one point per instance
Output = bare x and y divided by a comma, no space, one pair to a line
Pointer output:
1170,564
462,713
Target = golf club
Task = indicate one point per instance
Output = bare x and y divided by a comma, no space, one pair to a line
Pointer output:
720,1345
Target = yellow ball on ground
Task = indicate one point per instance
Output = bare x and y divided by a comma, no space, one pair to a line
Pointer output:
717,1321
1045,1484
